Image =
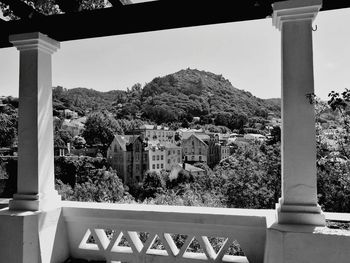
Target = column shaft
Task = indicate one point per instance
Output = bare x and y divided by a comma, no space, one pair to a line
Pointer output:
298,204
35,183
298,119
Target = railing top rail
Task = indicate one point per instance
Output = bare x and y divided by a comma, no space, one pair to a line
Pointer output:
178,214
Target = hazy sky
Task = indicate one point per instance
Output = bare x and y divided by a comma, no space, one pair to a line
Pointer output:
246,53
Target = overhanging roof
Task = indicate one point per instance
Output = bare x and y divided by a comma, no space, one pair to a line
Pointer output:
133,18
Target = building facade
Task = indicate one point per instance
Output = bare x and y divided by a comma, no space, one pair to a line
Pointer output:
128,156
157,133
194,149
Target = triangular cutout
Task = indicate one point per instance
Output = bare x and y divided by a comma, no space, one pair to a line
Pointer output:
121,244
104,237
234,249
143,236
175,242
157,247
214,246
136,241
88,241
195,251
234,252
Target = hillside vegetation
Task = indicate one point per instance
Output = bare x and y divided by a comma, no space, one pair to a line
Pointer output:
172,98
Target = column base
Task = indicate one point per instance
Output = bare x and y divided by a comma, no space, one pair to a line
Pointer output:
300,214
307,244
35,202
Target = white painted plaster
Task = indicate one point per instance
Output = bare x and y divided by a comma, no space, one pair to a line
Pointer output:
247,226
35,184
298,204
295,244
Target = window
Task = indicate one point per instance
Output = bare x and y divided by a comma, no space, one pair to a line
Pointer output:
161,165
192,158
157,165
169,152
192,143
200,150
137,157
153,166
162,157
153,158
115,148
178,160
157,157
200,158
178,152
168,160
137,167
185,150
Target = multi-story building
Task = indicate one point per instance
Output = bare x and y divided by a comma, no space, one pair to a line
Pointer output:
156,157
128,155
173,155
163,156
210,148
157,133
195,148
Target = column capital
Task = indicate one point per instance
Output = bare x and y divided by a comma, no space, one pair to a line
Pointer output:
294,10
34,41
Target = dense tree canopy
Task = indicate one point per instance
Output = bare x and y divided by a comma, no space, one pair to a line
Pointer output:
100,128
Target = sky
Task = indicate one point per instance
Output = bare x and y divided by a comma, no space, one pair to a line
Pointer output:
246,53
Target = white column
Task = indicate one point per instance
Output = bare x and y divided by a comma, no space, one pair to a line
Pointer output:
298,204
35,182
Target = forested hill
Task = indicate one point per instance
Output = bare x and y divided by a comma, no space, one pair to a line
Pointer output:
185,94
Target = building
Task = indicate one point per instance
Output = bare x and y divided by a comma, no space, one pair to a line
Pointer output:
127,154
73,126
173,155
195,148
157,133
163,156
193,170
156,157
69,114
254,137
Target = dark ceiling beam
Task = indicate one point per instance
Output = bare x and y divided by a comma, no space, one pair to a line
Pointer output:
126,2
21,9
115,3
143,17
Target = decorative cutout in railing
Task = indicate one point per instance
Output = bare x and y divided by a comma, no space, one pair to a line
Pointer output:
164,234
132,246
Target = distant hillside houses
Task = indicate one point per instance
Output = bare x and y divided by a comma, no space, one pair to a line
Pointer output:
153,148
73,126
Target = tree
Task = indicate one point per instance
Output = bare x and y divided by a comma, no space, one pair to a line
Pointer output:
275,135
101,185
152,183
78,142
100,128
50,7
61,138
8,126
253,175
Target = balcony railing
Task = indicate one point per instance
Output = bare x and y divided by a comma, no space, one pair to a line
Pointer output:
147,233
